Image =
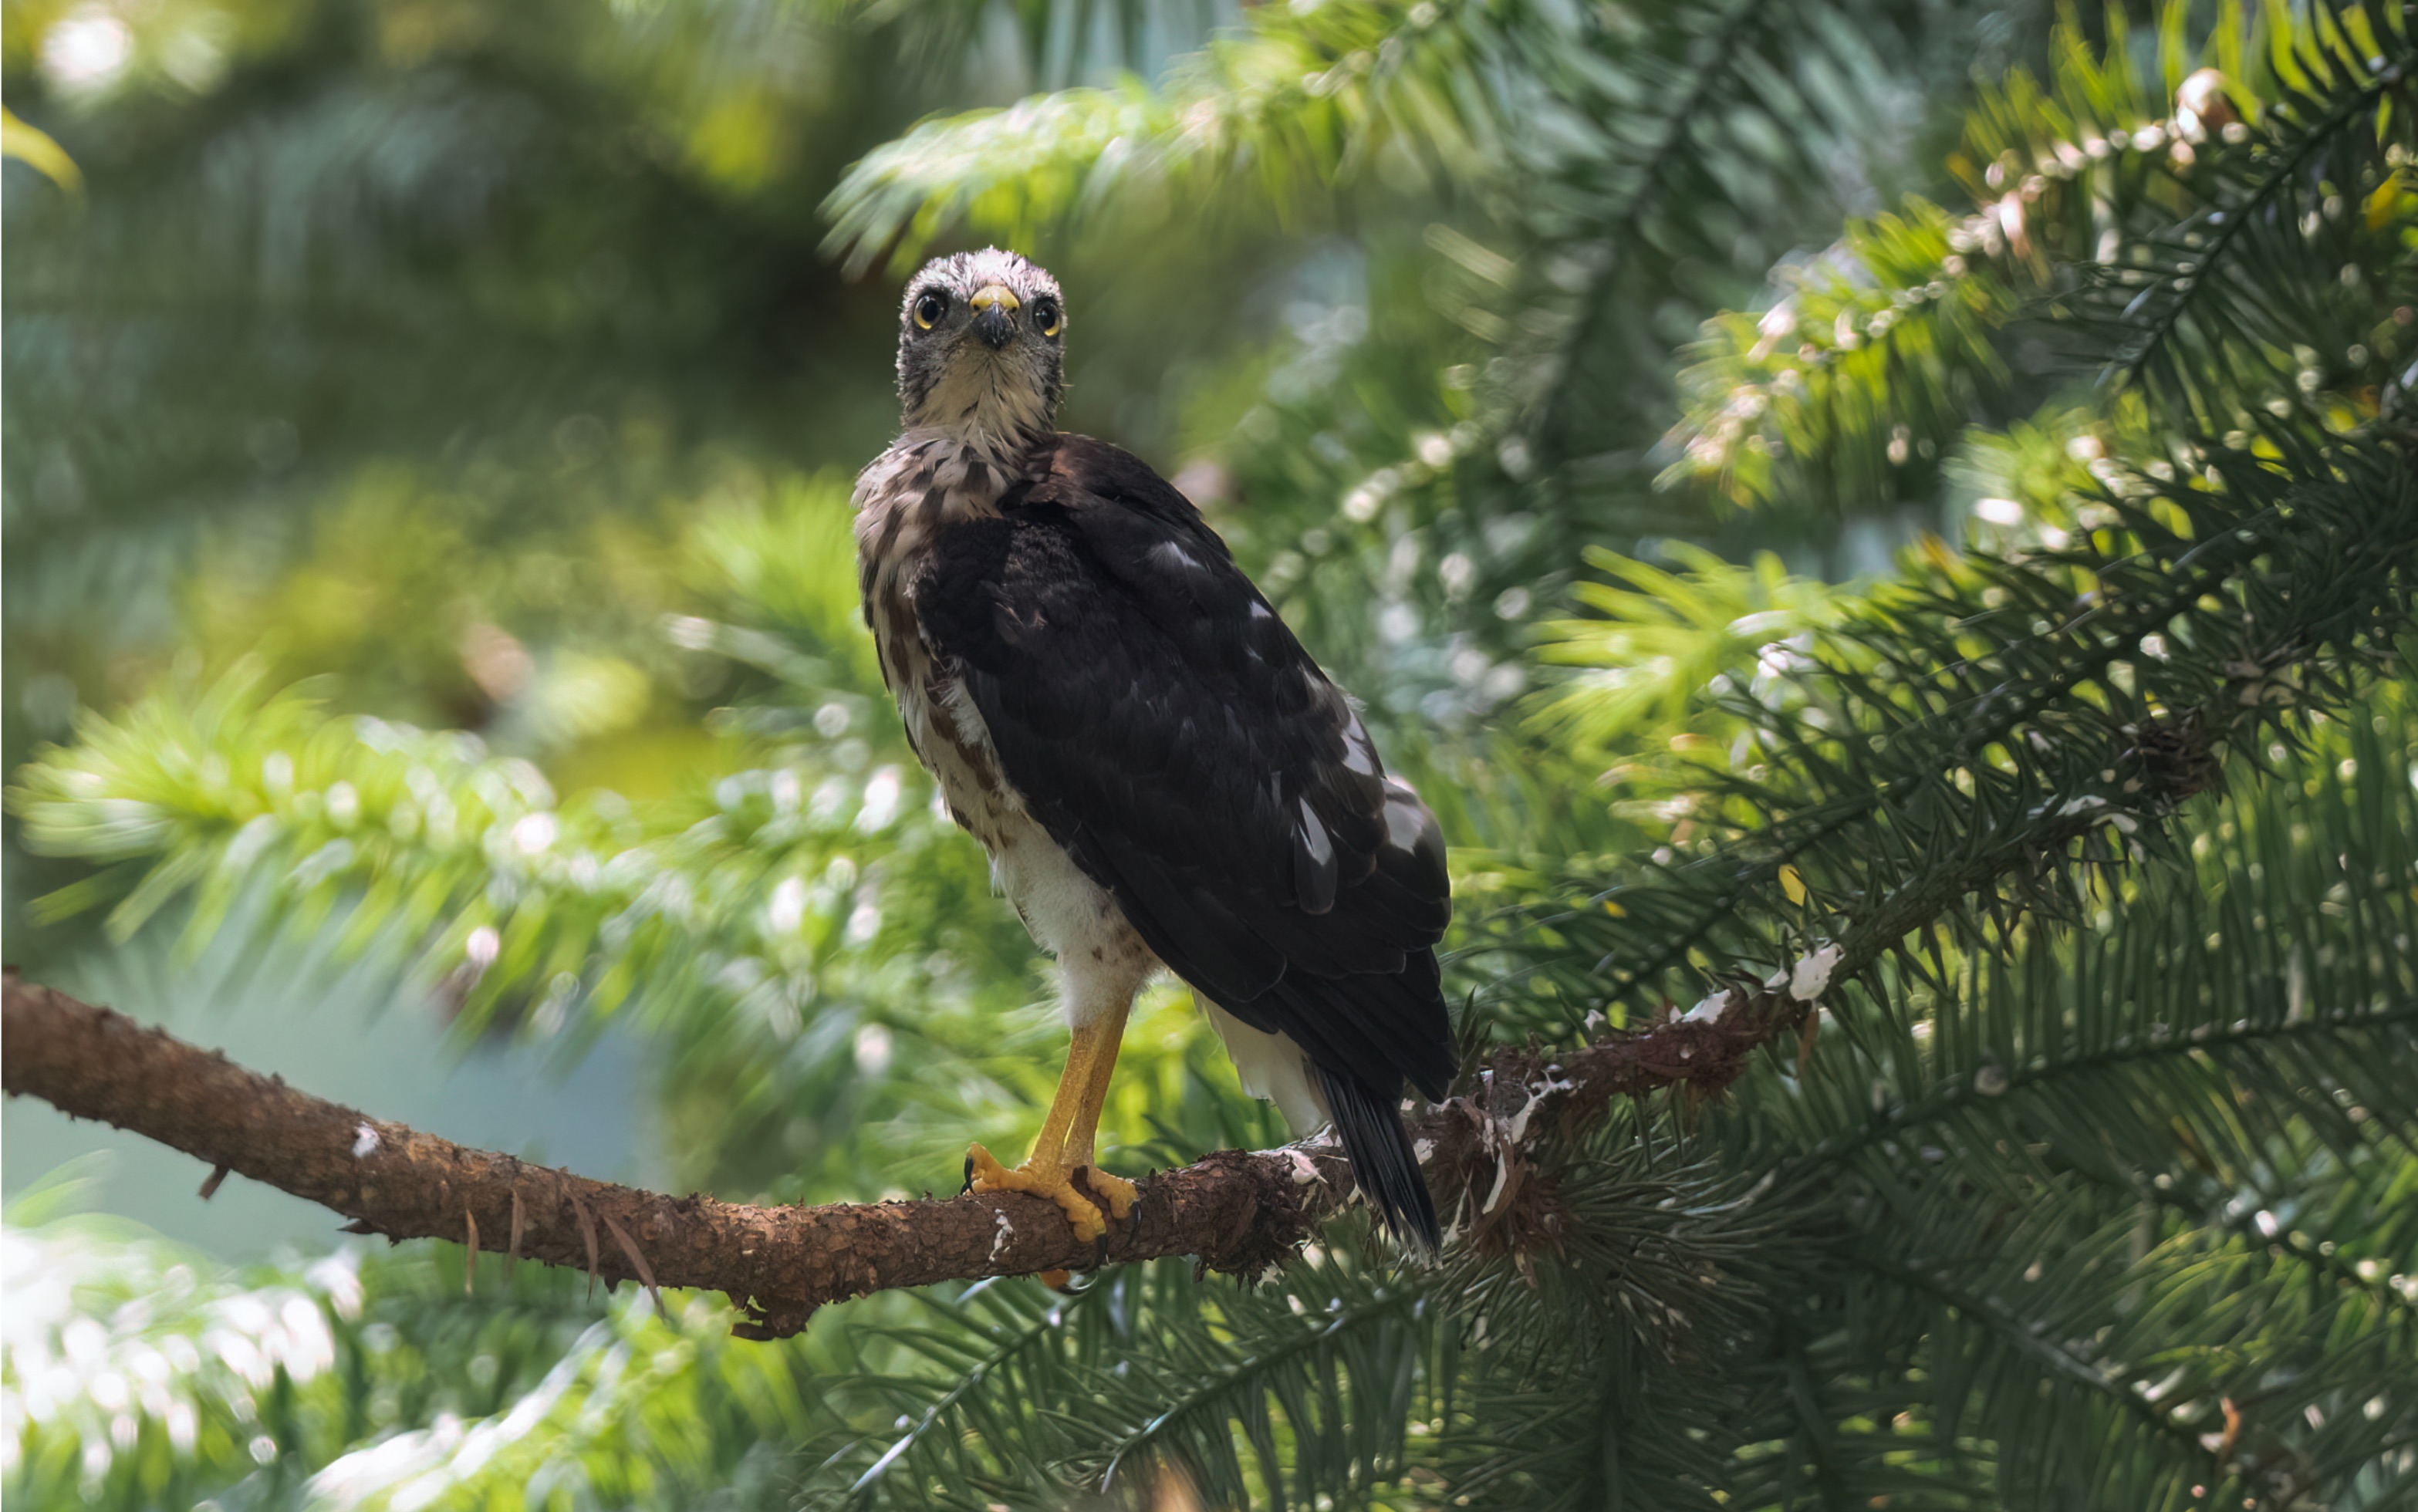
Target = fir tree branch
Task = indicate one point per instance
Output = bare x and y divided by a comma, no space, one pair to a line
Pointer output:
1737,28
1211,1396
2056,1358
1956,1094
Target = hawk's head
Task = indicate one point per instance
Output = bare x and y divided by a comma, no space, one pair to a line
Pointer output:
980,343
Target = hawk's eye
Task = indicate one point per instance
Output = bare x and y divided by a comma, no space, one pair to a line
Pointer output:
1045,315
930,308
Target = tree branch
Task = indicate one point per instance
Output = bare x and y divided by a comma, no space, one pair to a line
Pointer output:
1236,1211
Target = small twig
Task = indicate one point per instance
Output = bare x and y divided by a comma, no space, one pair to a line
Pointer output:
512,1251
637,1262
471,1258
588,1233
210,1185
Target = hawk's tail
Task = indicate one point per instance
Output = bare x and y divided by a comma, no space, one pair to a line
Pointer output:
1382,1162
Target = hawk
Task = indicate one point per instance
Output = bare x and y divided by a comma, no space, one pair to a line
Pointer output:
1163,777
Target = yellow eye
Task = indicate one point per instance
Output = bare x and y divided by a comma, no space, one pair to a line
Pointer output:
930,308
1045,317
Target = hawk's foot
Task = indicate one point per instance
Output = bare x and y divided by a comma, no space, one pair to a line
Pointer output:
986,1174
1119,1193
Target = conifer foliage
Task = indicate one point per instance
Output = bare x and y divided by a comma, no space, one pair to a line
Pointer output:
1916,550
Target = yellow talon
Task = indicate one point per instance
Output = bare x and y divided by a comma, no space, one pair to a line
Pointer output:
1120,1193
1056,1184
1062,1150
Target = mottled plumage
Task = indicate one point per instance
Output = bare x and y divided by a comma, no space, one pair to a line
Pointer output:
1161,774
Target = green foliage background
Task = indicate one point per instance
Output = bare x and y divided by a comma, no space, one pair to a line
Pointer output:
1915,490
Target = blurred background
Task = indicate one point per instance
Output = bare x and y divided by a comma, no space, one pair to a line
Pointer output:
432,669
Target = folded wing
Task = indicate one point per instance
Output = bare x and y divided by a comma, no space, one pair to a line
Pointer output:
1164,725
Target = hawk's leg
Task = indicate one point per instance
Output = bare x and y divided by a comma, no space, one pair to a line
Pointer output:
1065,1145
1118,1191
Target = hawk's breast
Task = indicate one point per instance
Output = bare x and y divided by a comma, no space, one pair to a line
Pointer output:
905,500
908,501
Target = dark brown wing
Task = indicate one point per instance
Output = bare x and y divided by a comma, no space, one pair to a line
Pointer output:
1166,728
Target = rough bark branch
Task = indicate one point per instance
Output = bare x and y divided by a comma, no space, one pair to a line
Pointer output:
1236,1211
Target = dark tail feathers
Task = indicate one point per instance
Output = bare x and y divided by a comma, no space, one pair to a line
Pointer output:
1382,1162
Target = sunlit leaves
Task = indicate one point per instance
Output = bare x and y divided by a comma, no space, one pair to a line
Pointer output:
1844,392
641,1411
1654,645
140,1374
138,1371
2230,237
1296,101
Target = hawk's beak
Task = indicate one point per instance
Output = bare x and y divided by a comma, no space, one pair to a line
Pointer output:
995,306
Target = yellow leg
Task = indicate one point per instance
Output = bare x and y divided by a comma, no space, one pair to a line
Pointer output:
1119,1192
1068,1135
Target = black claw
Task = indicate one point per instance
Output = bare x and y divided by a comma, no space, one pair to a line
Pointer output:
970,1177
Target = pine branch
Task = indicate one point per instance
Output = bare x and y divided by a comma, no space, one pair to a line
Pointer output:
1292,103
2145,232
2056,1358
1735,30
1708,1048
1954,1095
